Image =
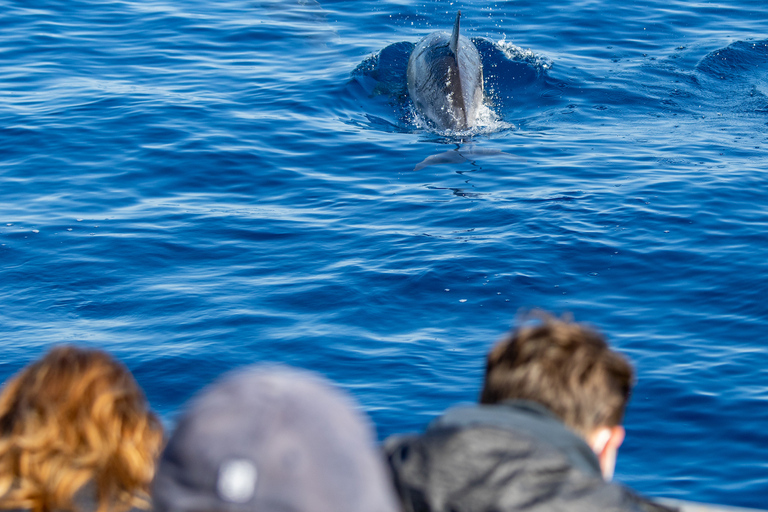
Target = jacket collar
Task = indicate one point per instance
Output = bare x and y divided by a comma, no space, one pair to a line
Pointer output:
529,418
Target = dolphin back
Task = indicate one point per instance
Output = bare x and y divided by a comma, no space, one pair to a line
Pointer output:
445,79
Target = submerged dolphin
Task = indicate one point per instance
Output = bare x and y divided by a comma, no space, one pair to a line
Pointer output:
445,79
467,153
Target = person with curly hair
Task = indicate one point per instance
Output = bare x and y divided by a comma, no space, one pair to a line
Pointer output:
76,435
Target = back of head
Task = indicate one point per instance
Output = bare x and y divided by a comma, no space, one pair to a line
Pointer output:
76,418
272,440
565,366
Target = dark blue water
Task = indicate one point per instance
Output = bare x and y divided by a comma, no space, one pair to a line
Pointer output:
199,185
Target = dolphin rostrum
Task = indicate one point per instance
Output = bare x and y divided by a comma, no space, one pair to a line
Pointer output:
445,79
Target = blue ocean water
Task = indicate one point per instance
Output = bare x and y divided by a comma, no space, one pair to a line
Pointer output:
195,186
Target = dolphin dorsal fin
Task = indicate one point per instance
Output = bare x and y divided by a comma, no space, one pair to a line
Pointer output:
455,35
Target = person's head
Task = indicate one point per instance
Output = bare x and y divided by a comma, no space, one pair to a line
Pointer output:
569,368
272,439
76,418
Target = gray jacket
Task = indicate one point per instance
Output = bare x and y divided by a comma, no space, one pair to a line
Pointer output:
515,456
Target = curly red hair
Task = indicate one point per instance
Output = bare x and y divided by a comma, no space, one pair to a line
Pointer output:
72,418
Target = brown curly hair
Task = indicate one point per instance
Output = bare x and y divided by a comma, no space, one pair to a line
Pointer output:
76,417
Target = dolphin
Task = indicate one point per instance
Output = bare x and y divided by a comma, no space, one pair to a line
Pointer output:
468,153
445,79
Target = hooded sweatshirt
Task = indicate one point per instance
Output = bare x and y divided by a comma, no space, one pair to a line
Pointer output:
509,457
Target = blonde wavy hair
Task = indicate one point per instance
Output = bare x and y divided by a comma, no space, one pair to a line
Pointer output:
76,417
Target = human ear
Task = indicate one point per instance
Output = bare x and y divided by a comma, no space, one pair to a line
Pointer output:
605,442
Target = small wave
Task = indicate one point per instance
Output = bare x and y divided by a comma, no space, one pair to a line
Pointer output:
487,122
518,54
735,60
734,77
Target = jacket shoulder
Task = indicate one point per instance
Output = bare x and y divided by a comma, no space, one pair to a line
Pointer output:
476,467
